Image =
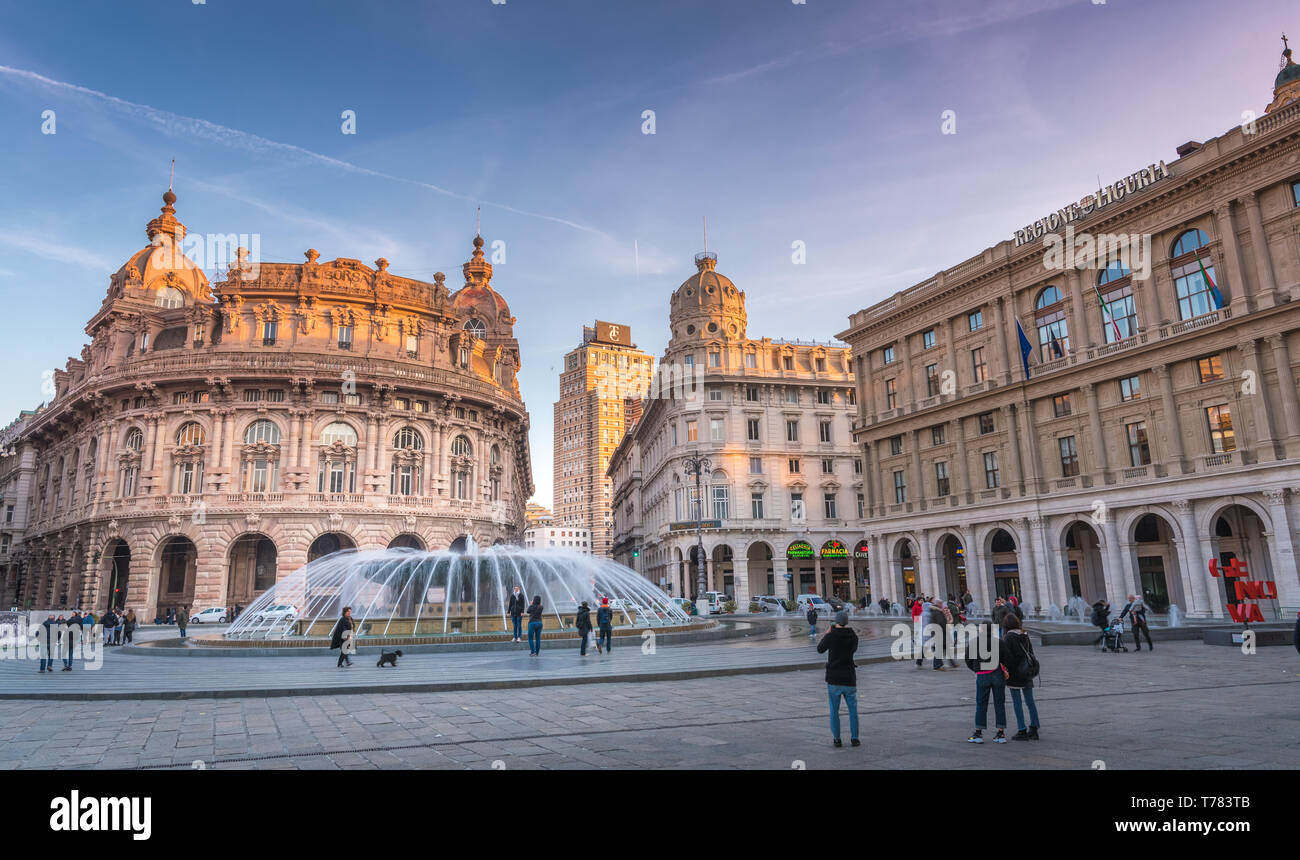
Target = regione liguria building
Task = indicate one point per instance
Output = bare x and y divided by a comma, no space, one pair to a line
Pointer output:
1157,429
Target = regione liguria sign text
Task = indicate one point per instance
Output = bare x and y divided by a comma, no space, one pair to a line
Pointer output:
1092,203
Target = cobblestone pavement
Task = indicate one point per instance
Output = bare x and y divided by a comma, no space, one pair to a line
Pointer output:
1187,705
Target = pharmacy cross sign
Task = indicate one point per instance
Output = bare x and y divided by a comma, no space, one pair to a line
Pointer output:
1244,589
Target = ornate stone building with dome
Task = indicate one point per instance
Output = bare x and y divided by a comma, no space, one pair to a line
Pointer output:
214,437
783,490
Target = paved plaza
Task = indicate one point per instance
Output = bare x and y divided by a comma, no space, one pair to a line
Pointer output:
1187,705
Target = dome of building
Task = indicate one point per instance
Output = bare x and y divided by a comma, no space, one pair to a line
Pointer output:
707,304
1286,86
477,298
162,264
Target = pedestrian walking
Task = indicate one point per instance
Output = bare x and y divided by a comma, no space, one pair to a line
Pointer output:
811,617
45,644
1000,610
71,637
1017,656
515,610
937,630
989,681
918,628
839,644
109,623
128,625
535,626
1136,609
582,621
341,637
605,623
182,619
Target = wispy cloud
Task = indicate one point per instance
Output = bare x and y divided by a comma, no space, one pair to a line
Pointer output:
176,125
41,246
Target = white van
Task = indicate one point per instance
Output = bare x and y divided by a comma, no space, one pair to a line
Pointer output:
803,601
714,600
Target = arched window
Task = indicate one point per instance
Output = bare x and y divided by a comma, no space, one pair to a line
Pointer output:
1053,329
406,475
262,431
170,297
131,462
1119,319
187,462
338,464
494,458
494,479
339,431
476,327
462,468
720,492
135,439
409,437
191,433
1195,283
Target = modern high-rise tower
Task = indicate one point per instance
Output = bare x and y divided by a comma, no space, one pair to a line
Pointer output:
590,420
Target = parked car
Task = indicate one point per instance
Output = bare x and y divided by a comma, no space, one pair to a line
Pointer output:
714,601
769,603
279,612
803,601
836,603
212,615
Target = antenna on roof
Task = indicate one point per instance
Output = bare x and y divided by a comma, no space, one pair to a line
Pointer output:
172,178
705,218
478,221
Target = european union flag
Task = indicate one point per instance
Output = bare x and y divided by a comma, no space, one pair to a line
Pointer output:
1026,348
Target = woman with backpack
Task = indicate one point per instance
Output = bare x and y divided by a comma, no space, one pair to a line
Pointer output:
1022,667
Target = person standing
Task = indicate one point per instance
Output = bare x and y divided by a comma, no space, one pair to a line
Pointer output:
45,644
341,637
535,626
1000,610
989,681
937,629
515,609
1101,619
1021,666
918,628
811,617
841,675
109,622
605,622
71,637
582,621
884,606
182,619
128,625
1137,608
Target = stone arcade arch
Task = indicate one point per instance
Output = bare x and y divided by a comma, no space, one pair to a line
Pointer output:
1002,550
328,544
722,575
1079,545
1239,530
761,571
1153,543
950,557
252,568
115,572
407,540
905,561
178,560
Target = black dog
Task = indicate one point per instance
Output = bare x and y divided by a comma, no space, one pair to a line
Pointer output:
389,657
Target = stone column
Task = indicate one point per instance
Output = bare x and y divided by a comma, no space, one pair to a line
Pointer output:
868,484
1148,303
918,493
780,587
1101,468
1264,436
1051,578
291,445
853,576
862,378
1080,327
950,355
1000,325
1266,284
963,461
1030,587
1037,478
229,419
908,393
1116,571
977,576
1286,384
740,581
817,572
1172,425
1232,259
1017,482
1282,550
1194,566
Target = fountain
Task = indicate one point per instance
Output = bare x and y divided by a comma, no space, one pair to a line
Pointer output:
1175,616
418,593
896,610
1077,610
1054,613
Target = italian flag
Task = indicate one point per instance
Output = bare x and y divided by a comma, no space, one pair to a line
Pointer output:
1105,307
1214,289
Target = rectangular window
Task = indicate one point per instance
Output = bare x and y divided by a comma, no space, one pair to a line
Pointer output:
9,513
887,355
1219,419
715,430
895,445
268,332
1295,192
823,396
828,466
1130,388
1210,368
986,423
792,395
941,483
751,393
891,393
992,480
674,426
715,358
824,431
830,507
715,393
1139,450
1069,456
978,365
1061,405
756,505
751,429
796,507
938,434
792,430
857,467
931,380
862,506
900,487
927,339
402,402
787,362
751,360
253,395
689,361
345,339
352,399
975,320
412,345
755,465
820,364
275,395
327,396
692,431
794,465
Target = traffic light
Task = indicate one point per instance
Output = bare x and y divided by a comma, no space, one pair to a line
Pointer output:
636,553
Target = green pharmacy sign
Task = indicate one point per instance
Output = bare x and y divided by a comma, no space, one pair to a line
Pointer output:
799,549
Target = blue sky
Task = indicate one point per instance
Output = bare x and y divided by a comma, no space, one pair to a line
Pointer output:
780,122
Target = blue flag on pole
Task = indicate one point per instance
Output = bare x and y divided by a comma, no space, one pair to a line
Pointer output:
1026,348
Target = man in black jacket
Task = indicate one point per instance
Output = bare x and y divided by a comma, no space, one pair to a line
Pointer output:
516,612
605,623
841,675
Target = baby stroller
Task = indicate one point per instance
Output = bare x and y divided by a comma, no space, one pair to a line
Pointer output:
1113,637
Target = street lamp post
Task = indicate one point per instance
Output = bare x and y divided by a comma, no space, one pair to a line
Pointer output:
696,465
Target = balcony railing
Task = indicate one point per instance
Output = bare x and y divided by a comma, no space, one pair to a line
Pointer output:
1228,458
